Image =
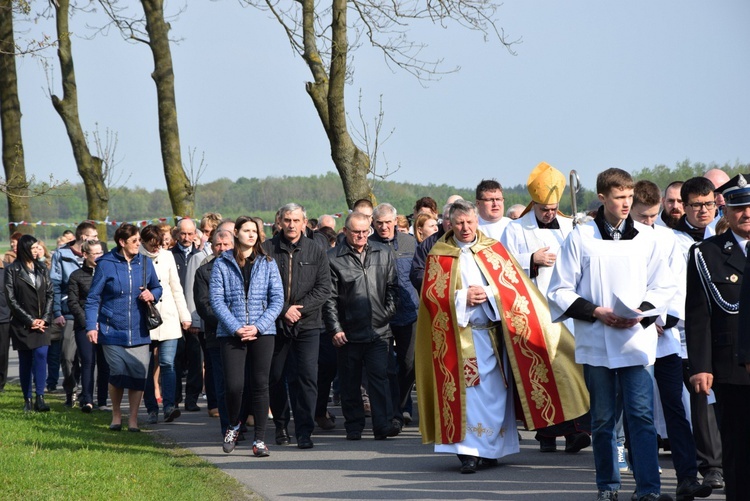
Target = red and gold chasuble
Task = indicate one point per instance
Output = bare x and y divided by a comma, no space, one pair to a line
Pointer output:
550,386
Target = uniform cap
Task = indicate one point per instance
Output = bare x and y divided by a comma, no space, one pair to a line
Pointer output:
736,191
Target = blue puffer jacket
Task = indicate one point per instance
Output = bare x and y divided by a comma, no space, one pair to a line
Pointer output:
113,300
234,307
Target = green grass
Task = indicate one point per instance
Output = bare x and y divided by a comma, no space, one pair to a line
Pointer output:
66,454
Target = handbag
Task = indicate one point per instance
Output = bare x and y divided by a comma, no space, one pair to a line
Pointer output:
153,317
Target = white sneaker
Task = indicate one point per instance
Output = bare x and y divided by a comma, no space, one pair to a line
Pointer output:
622,460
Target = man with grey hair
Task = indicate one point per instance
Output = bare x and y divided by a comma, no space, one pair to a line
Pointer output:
473,336
400,367
327,220
307,284
364,294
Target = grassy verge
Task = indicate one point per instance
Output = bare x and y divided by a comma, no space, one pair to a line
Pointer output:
66,454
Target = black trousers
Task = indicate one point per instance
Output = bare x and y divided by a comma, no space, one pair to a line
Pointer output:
251,359
327,369
734,402
297,359
705,428
351,359
4,350
401,367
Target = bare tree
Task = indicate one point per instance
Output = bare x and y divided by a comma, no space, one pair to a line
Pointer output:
319,32
90,167
16,184
153,30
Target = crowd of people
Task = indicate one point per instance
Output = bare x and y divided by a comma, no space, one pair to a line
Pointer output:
565,323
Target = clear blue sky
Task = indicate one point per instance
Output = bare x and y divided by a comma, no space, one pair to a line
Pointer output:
593,85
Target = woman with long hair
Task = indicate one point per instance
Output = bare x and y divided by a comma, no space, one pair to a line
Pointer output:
246,295
29,293
424,226
116,318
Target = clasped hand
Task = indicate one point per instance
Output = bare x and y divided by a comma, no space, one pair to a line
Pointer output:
247,333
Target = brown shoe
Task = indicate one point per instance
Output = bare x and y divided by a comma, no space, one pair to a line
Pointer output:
213,412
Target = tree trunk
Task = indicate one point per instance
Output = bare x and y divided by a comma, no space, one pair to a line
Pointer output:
89,167
17,187
327,95
181,192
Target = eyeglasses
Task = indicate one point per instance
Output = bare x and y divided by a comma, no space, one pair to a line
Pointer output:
100,253
698,205
492,200
548,209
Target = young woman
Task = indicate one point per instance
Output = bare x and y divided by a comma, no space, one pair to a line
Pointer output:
115,317
246,296
29,294
424,226
91,354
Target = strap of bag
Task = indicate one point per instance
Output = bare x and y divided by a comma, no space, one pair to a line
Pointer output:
144,265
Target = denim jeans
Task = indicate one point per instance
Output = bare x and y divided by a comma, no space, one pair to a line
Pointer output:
638,401
32,363
167,350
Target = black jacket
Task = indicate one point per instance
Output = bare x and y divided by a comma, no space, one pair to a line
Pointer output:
363,295
307,281
78,290
27,302
711,331
203,302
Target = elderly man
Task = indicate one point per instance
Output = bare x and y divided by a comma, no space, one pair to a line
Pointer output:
491,205
222,239
718,178
715,274
307,284
671,204
189,354
480,321
327,220
400,369
364,294
534,241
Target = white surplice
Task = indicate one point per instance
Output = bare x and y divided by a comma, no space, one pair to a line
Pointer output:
494,230
598,270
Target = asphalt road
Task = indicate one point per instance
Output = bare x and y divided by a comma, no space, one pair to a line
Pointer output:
396,468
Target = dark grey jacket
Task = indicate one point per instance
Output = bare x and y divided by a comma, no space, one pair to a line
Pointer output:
363,295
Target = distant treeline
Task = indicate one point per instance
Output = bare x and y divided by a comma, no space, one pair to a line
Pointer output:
319,194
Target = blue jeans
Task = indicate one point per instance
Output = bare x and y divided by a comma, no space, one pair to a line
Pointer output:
32,362
638,401
167,350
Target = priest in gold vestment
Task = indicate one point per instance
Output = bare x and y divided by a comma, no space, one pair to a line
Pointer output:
485,348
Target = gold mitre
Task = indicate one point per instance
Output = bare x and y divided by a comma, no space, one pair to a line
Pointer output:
546,184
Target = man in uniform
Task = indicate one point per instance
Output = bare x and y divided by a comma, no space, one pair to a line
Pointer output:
714,279
483,326
534,241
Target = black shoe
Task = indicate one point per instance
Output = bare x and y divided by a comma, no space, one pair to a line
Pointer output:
547,444
714,479
68,400
304,443
27,405
354,435
690,488
487,462
282,436
40,405
396,427
655,497
115,427
171,413
191,407
577,441
468,464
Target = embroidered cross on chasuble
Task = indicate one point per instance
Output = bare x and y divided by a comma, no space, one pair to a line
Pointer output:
549,384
